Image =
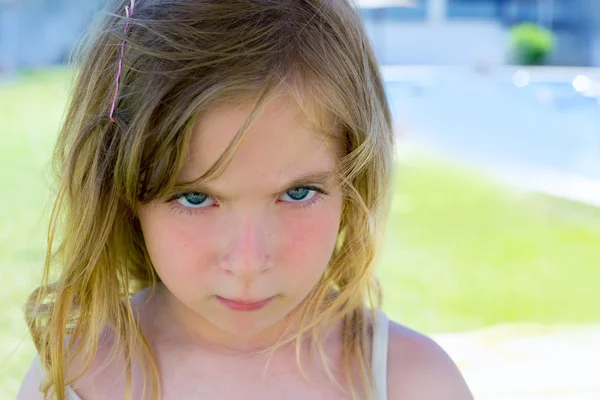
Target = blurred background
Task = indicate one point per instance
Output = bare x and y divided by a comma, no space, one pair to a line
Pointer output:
494,238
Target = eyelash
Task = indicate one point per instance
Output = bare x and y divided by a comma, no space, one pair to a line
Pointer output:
304,205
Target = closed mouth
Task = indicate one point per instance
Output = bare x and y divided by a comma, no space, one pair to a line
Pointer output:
244,304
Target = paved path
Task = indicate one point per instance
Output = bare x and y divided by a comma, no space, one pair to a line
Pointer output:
532,362
546,125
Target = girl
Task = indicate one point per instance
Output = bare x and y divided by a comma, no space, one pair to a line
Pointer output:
224,172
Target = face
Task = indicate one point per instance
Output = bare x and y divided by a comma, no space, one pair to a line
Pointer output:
241,252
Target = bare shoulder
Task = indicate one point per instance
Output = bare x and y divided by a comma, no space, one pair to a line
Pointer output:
418,368
30,387
98,379
105,376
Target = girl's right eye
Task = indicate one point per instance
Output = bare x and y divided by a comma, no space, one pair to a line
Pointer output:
195,200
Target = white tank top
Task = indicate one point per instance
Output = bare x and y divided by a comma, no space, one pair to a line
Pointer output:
379,360
380,354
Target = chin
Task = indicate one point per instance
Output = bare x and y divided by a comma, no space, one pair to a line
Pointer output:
247,327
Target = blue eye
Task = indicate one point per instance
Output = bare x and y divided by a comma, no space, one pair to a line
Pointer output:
195,200
300,194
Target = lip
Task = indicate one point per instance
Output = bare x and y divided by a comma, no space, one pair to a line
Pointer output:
244,305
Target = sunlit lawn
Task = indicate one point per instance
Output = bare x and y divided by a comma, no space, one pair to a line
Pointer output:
461,253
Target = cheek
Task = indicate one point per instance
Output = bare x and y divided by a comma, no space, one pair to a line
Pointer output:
309,239
176,246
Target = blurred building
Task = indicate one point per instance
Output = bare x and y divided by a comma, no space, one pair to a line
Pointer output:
476,31
42,32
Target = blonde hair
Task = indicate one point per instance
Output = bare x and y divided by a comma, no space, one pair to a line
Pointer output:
182,57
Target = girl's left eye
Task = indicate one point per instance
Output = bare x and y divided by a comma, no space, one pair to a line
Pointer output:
300,194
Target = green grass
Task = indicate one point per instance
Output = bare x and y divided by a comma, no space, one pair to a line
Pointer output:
461,252
30,113
464,253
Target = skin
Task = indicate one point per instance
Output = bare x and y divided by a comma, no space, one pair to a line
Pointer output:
251,239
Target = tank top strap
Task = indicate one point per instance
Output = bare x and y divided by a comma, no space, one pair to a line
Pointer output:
380,355
71,394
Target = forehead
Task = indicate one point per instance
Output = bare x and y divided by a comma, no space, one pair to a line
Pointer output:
280,144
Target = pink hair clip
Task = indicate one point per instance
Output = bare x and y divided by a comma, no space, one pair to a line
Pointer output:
129,13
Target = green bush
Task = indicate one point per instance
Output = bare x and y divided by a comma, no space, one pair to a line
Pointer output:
531,44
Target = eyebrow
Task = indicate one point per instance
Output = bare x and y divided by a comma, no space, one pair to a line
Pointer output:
323,178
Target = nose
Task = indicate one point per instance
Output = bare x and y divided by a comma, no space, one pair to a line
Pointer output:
246,255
